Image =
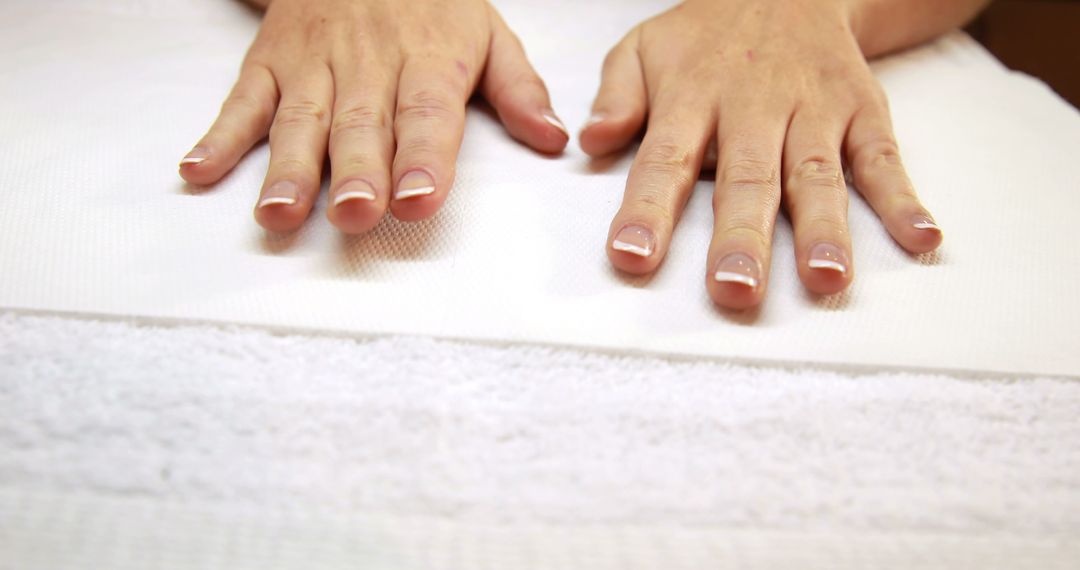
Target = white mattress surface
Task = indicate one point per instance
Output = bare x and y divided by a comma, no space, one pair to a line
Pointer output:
102,98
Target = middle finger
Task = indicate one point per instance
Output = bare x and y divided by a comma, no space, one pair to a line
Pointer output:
746,200
361,144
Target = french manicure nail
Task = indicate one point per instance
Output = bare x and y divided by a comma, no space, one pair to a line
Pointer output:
828,256
637,240
285,192
355,190
594,119
924,222
738,268
197,155
415,183
554,121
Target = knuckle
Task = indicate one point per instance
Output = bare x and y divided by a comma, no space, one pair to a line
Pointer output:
666,158
425,104
361,118
653,204
418,146
291,164
830,223
651,198
753,204
901,198
817,171
880,153
346,156
742,224
749,173
301,113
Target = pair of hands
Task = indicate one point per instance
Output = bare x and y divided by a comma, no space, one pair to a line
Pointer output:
780,87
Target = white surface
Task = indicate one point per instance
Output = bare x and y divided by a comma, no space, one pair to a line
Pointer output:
129,446
102,98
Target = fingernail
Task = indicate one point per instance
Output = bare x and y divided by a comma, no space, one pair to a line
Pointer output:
594,119
355,190
285,192
197,155
413,184
738,268
828,256
637,240
554,121
924,222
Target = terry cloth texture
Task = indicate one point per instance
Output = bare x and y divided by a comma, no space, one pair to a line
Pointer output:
140,446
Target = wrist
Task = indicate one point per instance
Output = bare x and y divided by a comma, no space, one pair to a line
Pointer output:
883,26
864,17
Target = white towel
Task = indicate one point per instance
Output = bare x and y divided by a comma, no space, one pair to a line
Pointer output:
129,447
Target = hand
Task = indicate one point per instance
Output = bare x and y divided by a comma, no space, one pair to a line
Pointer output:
782,87
382,88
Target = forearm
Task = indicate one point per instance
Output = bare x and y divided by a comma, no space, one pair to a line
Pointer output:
883,26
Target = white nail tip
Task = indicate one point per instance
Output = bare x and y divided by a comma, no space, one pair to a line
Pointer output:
197,160
826,264
926,226
555,122
277,201
355,195
631,248
413,192
730,277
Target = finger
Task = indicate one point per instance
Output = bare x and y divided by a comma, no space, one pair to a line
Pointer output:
816,197
745,203
621,104
663,175
298,139
361,145
880,177
428,126
518,94
244,120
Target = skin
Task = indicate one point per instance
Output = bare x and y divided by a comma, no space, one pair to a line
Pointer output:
780,88
381,89
783,89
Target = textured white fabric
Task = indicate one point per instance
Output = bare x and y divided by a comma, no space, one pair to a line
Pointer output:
144,447
129,446
101,99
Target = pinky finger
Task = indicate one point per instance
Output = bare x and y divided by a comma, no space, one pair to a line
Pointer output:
244,120
880,177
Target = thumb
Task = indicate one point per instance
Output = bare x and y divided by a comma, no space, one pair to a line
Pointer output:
618,113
